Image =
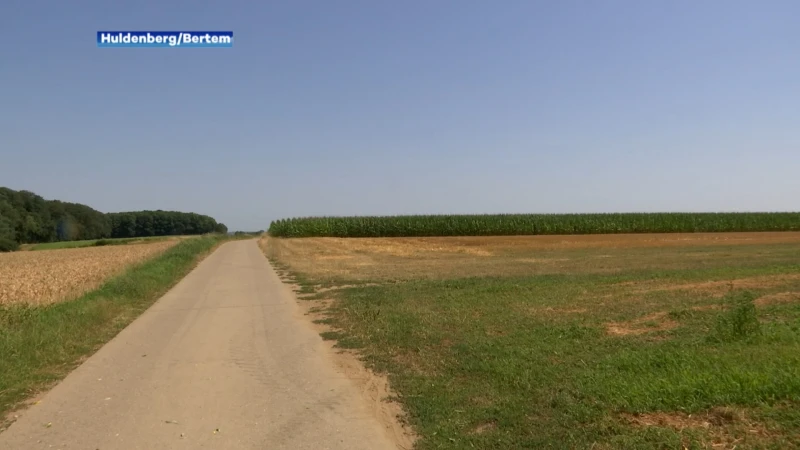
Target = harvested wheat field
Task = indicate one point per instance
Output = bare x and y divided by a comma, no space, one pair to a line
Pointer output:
50,276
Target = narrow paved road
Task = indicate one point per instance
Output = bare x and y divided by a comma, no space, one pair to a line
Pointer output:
226,350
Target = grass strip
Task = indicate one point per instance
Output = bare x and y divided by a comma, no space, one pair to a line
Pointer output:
92,243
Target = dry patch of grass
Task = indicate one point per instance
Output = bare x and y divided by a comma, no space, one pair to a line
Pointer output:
414,363
384,259
706,307
485,427
783,297
407,246
717,288
50,276
538,311
659,321
721,427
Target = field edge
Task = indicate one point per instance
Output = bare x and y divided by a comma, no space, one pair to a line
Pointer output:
375,387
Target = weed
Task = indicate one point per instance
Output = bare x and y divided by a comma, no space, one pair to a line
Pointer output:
739,320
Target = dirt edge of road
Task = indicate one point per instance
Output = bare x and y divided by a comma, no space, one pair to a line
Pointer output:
375,389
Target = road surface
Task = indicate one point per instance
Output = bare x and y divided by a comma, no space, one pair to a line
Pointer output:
222,361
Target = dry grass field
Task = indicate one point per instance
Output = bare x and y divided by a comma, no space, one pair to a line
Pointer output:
599,341
48,276
354,259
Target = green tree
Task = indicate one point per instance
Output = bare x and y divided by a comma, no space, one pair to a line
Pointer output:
8,240
29,218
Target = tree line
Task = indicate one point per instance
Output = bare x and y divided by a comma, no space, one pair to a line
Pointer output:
27,218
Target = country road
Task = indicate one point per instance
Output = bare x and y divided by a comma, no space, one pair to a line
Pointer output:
222,361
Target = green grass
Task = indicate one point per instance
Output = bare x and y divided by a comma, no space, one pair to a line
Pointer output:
90,243
532,224
527,361
40,345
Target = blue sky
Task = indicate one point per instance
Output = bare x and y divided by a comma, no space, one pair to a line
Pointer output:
376,107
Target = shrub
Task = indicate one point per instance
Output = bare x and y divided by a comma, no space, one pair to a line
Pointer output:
7,245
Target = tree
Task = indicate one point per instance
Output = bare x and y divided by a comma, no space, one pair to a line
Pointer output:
123,225
28,218
8,240
161,223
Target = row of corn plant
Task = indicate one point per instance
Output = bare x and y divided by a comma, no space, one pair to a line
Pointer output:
532,224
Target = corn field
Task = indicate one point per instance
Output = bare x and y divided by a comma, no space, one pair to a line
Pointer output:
532,224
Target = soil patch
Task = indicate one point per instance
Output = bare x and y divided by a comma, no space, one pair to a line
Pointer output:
783,297
716,287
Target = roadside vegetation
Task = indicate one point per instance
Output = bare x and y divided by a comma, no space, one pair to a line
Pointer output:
532,224
594,342
95,243
40,344
245,234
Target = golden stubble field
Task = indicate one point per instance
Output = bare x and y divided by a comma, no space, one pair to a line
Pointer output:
49,276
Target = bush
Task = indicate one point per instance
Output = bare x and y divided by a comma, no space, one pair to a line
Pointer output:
7,245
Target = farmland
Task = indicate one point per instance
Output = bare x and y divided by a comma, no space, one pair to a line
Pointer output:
532,224
43,277
601,341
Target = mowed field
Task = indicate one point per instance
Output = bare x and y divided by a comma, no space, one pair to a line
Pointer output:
584,341
47,276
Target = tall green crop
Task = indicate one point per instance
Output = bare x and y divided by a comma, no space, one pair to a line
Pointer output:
532,224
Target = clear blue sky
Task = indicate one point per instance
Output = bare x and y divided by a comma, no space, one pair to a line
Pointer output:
376,107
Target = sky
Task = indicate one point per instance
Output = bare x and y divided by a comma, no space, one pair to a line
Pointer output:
418,107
